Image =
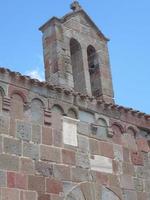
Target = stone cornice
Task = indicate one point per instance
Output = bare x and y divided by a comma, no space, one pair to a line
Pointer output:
22,81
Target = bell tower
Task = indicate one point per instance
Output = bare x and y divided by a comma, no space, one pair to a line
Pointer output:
76,54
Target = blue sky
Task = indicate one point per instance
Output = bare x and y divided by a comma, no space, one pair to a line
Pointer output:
126,23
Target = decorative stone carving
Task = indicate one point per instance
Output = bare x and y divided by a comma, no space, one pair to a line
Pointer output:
6,103
47,117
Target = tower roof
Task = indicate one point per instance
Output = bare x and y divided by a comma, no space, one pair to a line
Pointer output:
77,9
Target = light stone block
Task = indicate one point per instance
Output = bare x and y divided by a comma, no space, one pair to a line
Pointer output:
86,117
70,131
101,164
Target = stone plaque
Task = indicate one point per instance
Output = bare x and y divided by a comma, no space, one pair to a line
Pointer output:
70,131
101,164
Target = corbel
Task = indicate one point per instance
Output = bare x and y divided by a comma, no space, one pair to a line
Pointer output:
6,103
47,117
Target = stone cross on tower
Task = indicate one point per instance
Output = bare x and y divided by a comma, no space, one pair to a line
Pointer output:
75,6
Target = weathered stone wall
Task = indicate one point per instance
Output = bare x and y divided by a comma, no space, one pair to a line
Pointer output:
56,144
59,144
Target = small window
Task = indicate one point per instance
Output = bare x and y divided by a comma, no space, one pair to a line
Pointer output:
92,59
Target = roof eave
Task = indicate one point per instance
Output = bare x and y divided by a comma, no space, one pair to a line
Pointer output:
45,25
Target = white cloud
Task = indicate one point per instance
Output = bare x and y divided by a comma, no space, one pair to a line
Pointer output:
36,73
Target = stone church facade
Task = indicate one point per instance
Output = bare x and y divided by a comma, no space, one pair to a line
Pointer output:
65,138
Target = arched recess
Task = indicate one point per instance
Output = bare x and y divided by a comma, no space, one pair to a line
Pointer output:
2,93
57,109
37,111
16,111
57,113
17,106
132,131
90,191
117,132
77,66
102,130
20,93
94,71
75,194
72,113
